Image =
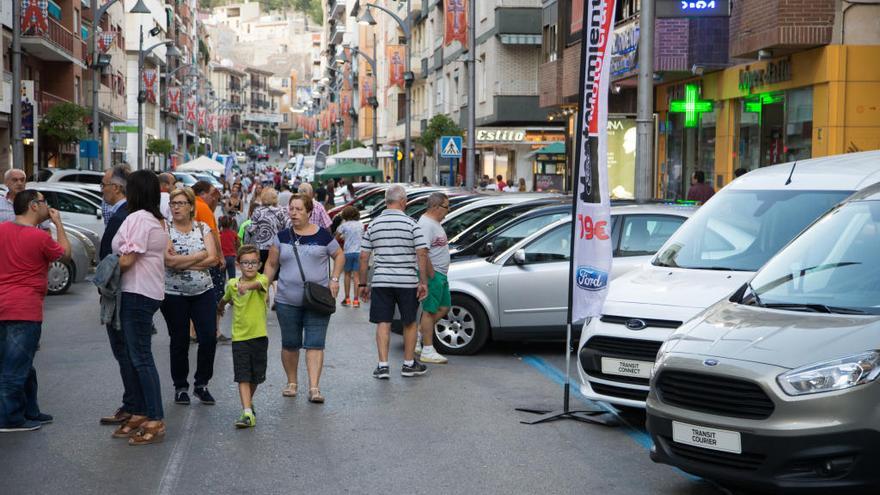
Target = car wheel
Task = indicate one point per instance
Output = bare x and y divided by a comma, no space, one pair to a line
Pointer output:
60,277
464,330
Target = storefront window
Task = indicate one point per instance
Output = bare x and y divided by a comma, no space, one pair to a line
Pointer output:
688,149
621,157
706,147
775,127
799,124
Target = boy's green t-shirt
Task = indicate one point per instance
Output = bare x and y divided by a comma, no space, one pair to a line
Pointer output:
249,317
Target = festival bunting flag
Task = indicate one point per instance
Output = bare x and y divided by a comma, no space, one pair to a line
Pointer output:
173,96
456,22
150,77
202,114
34,17
191,109
105,40
395,55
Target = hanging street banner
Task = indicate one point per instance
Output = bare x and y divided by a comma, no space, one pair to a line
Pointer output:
191,109
395,55
34,17
105,40
150,77
456,22
173,96
202,113
591,243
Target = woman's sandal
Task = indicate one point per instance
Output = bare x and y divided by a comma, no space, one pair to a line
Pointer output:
289,390
146,435
315,396
129,428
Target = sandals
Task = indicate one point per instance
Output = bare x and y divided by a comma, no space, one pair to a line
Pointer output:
315,396
129,428
289,390
146,435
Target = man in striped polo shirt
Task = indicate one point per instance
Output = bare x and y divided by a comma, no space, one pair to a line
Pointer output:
399,278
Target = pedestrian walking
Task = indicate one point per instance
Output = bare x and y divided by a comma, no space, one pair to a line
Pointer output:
229,243
350,232
349,192
15,181
437,302
301,254
268,219
254,198
113,186
319,214
189,297
400,254
141,243
700,191
250,343
284,195
331,194
24,264
166,185
207,197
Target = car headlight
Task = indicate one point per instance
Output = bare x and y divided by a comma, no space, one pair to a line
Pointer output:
661,356
829,376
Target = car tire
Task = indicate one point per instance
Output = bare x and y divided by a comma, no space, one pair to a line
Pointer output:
464,330
61,275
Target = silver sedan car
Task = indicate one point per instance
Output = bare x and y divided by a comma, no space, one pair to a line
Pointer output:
521,293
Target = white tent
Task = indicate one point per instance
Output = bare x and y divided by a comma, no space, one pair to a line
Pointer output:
359,154
202,164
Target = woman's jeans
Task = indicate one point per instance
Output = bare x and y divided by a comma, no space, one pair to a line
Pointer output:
178,312
136,314
18,379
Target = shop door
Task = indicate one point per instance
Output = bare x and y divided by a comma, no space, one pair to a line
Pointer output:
772,128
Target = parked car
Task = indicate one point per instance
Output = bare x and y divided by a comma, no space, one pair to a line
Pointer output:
185,178
90,191
419,205
411,193
66,175
521,293
241,157
207,177
75,207
473,212
62,274
713,254
775,388
489,223
509,233
363,201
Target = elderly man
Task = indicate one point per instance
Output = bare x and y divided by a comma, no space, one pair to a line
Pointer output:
438,300
24,266
166,185
399,279
15,181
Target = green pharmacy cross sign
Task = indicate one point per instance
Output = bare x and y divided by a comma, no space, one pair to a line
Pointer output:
692,106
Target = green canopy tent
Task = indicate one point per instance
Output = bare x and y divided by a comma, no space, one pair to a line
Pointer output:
552,153
348,169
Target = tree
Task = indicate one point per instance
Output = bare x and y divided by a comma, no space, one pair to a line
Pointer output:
440,125
161,147
65,124
347,145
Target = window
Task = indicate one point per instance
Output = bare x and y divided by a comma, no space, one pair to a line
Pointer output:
642,235
70,203
552,246
799,124
457,224
550,43
521,230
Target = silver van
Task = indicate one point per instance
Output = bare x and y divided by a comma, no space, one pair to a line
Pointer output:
775,388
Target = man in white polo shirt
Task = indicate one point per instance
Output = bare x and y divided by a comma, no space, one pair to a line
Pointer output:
399,279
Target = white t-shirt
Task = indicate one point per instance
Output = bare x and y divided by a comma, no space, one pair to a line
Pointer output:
438,243
284,198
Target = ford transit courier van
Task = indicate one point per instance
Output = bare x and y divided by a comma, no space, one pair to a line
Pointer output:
715,252
775,387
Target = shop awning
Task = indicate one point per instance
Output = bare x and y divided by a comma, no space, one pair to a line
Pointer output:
348,169
552,153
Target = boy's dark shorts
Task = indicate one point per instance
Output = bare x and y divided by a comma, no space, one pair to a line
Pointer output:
249,360
384,299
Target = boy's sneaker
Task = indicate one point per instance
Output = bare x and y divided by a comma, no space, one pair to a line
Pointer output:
204,396
181,397
356,304
433,356
417,369
346,302
247,420
381,372
28,425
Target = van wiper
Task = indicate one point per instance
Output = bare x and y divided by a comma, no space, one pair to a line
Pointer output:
816,308
717,268
756,299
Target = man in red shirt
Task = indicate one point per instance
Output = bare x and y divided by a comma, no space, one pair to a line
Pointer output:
499,180
700,191
24,265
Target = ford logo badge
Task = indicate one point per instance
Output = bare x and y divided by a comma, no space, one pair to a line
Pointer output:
590,278
636,324
710,362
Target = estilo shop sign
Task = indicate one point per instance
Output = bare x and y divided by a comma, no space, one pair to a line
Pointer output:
517,135
772,72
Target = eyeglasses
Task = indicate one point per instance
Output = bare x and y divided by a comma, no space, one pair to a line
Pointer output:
39,201
106,184
249,263
178,204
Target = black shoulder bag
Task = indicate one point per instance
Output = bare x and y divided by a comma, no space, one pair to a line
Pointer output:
316,297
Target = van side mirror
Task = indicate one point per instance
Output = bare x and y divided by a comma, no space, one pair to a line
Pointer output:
519,257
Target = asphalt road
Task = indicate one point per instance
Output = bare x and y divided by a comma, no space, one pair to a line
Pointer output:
452,431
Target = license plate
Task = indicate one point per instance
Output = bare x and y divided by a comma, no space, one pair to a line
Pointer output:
626,367
707,438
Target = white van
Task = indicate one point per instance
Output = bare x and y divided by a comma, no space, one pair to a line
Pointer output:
714,253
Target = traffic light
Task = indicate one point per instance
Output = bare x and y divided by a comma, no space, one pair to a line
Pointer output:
399,154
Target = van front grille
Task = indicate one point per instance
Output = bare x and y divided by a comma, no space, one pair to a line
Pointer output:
714,394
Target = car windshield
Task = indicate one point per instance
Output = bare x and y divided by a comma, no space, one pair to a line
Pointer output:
833,267
514,231
488,225
457,224
741,230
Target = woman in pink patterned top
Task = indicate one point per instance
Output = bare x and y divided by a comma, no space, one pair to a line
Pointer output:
319,215
141,244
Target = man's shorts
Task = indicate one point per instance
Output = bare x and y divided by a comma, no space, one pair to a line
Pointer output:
438,294
249,360
352,262
384,299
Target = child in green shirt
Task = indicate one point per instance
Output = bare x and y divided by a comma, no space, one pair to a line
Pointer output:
247,294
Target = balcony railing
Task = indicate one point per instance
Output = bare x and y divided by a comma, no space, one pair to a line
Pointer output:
59,35
48,100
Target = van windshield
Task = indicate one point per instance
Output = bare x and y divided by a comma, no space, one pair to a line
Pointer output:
740,229
834,267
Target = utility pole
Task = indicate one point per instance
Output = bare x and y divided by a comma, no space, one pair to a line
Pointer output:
472,97
645,102
93,49
17,145
408,80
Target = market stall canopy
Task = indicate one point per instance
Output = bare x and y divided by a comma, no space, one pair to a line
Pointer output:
348,169
554,152
202,164
360,154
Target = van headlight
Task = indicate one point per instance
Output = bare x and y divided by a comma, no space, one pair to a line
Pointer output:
661,356
829,376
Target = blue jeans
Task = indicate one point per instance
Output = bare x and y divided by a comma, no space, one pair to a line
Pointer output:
301,328
230,267
137,327
18,378
130,401
202,311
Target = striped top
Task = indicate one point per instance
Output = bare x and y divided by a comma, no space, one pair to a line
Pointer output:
393,239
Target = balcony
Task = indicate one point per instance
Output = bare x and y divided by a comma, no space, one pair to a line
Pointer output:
337,31
57,45
110,104
48,100
521,21
337,9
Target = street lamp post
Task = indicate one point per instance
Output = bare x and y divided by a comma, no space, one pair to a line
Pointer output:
408,76
373,101
96,66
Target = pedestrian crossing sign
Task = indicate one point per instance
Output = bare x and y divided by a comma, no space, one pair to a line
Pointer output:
450,146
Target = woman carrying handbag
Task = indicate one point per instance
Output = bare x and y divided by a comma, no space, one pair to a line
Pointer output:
306,295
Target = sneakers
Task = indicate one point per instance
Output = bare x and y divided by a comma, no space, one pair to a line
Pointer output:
181,397
204,396
28,425
42,418
416,369
223,339
432,356
381,372
346,302
356,304
247,420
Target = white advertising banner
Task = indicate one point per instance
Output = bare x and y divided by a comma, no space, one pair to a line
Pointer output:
591,242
